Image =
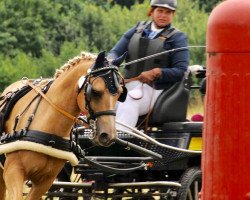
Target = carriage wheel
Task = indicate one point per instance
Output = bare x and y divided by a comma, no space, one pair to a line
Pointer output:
190,184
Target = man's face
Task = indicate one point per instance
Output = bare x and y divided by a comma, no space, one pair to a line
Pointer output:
162,16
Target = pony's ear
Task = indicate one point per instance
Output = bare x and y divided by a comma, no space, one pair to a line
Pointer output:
119,60
99,62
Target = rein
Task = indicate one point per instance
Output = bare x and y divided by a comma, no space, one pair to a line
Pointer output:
131,79
71,117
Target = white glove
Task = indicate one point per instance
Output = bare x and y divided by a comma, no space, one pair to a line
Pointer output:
194,69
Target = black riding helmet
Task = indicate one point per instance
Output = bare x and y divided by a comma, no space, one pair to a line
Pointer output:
171,4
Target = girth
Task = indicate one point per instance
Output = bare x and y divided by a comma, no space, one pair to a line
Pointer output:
44,139
37,137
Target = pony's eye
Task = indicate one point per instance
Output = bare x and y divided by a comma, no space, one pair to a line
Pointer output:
96,94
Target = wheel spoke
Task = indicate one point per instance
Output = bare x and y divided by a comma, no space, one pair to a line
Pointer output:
190,197
196,190
191,184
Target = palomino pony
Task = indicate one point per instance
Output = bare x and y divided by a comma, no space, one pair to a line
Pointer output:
38,118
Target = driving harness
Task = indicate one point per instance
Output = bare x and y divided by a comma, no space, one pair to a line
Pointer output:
109,74
26,134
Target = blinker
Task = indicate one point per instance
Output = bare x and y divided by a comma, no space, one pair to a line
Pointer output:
123,95
88,91
111,81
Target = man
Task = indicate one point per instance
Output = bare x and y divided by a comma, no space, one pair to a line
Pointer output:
147,79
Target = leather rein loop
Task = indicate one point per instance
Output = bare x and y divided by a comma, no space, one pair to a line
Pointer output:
131,79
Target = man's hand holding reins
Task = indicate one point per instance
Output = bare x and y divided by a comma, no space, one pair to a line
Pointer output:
149,76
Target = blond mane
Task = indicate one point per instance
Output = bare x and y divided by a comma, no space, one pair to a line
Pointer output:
73,62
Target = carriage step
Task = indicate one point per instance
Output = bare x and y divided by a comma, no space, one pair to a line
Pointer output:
156,184
146,184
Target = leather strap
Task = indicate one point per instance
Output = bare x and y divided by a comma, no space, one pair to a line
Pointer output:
73,118
131,79
47,139
107,112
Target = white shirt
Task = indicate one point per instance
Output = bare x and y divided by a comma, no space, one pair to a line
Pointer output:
154,31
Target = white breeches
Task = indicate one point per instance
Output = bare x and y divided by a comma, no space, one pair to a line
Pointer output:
140,99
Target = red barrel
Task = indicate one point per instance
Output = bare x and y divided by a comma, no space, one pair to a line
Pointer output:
226,139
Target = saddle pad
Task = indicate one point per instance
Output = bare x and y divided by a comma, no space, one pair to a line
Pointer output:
26,145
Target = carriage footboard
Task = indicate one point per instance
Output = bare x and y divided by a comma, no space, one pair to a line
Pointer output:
114,190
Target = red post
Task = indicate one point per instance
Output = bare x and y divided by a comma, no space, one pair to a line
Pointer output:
226,139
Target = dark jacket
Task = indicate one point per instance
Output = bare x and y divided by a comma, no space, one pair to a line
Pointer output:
177,61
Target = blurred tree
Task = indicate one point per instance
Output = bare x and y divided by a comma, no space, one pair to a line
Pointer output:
31,25
36,37
126,3
208,5
193,22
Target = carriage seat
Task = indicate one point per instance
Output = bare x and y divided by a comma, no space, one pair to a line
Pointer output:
172,104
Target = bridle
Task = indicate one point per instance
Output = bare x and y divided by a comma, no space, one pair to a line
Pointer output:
111,77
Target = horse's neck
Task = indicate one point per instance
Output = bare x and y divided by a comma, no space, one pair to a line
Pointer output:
63,93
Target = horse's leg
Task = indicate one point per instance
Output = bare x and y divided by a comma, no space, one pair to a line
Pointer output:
42,181
14,179
2,185
40,188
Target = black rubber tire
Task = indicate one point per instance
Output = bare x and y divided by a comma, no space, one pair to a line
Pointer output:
190,181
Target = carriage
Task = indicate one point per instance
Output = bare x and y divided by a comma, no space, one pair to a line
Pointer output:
159,160
162,162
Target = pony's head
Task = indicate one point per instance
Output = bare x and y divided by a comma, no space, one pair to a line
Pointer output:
102,87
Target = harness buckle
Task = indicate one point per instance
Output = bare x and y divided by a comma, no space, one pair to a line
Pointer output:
52,142
92,124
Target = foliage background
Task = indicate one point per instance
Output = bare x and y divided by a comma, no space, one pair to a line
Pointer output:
36,37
